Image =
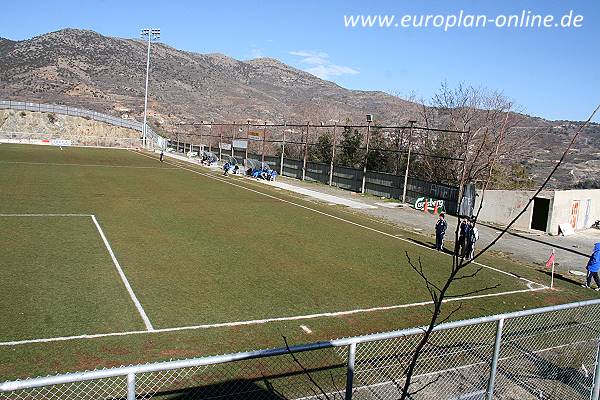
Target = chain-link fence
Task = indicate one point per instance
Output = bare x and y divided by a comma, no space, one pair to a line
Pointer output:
547,353
78,112
330,163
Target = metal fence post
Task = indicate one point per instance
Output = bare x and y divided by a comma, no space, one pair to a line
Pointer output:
332,156
263,145
407,161
131,386
364,177
595,395
232,140
494,366
282,150
305,153
247,140
220,144
350,370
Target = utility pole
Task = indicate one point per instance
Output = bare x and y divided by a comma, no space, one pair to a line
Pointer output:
153,35
410,129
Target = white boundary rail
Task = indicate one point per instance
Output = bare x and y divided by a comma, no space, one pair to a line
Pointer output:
78,112
559,319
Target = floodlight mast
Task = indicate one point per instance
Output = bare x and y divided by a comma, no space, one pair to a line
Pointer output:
153,35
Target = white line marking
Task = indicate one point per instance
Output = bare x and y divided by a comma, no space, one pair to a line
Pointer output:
305,328
82,165
339,218
262,321
45,215
149,326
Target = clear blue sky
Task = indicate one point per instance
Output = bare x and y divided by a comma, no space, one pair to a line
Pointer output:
552,72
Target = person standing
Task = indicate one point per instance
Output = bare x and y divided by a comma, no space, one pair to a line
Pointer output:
462,237
440,231
593,266
472,238
162,155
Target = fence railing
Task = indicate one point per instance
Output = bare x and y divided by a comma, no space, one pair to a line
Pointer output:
545,353
78,112
377,183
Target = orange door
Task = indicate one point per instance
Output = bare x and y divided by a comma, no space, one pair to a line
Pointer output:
574,213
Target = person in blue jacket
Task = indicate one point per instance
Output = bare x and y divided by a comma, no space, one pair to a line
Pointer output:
593,266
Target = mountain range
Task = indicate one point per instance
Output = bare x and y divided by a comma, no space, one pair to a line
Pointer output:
106,74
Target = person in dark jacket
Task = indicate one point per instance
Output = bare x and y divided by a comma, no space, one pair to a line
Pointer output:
440,231
593,266
462,236
162,155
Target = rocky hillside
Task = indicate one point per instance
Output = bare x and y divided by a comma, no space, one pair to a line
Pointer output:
106,74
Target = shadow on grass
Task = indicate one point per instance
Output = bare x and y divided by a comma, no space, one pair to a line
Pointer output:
561,277
241,389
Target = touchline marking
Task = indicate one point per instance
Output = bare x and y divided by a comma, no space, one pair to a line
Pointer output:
261,321
139,307
45,215
82,165
340,219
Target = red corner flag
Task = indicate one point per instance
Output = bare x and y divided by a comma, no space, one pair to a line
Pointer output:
550,260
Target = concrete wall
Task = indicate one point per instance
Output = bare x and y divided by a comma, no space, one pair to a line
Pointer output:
501,206
561,208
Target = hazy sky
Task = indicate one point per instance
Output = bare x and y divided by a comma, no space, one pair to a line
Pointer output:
551,72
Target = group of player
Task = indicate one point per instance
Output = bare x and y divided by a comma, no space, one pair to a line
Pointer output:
265,173
468,234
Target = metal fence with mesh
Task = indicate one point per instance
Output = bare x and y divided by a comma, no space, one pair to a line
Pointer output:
547,353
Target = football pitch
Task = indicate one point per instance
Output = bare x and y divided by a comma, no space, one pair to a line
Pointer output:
110,257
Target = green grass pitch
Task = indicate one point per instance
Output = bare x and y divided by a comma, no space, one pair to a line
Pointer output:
198,251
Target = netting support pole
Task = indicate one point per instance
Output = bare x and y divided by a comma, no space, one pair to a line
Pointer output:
350,371
596,387
282,151
131,386
494,366
263,145
412,123
332,156
305,153
364,176
232,140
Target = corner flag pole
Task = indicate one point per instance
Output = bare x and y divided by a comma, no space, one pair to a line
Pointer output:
552,272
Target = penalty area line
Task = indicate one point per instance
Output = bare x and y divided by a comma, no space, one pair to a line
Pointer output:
134,298
262,321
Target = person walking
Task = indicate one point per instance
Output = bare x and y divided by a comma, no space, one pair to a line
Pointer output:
162,155
593,266
440,231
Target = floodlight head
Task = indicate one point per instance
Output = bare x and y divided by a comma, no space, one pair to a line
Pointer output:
154,33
